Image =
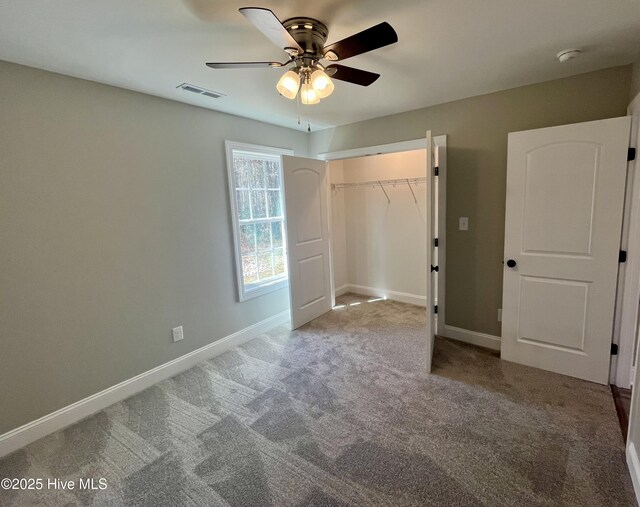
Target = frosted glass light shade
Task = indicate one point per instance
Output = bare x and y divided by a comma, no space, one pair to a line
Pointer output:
321,83
308,95
289,84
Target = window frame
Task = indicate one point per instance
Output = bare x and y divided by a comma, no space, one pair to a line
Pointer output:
259,289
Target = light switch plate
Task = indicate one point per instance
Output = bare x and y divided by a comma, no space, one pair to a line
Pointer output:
463,223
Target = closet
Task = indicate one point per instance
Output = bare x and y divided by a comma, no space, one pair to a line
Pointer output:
378,219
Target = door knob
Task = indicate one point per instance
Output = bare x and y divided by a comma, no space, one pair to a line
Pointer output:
511,263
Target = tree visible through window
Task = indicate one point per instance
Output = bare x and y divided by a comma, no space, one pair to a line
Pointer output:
259,220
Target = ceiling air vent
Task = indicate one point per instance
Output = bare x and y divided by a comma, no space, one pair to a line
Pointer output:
200,91
213,95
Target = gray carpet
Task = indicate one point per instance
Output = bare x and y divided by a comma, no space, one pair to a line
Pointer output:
339,413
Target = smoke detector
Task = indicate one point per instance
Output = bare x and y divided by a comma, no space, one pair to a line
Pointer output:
568,54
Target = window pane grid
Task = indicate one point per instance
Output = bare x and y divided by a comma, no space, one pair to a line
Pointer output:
259,213
250,205
261,220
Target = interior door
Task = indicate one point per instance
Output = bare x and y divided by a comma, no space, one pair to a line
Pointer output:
565,194
431,227
305,195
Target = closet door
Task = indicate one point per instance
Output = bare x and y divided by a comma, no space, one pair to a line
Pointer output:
305,195
430,223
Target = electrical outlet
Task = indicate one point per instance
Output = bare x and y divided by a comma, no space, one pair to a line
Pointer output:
463,223
177,334
499,314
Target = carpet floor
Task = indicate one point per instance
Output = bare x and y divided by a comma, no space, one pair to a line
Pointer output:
339,413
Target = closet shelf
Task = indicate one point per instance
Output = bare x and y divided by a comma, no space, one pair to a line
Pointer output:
382,183
375,183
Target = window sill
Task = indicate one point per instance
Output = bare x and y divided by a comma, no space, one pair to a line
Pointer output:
261,290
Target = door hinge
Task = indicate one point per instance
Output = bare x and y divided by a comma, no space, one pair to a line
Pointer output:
631,154
622,256
434,268
435,309
435,242
436,170
614,349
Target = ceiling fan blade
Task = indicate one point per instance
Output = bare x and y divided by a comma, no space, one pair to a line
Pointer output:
351,75
244,65
372,38
268,23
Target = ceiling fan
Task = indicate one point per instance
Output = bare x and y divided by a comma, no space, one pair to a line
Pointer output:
303,39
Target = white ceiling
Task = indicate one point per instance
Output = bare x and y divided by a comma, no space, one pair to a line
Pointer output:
447,49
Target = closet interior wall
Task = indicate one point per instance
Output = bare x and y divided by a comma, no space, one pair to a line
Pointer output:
379,242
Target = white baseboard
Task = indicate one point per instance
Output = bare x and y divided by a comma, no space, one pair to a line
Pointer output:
464,335
343,289
634,468
30,432
402,297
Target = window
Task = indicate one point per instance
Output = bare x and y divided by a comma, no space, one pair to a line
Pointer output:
257,208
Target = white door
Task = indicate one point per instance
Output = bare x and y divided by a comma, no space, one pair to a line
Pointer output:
431,227
305,196
565,194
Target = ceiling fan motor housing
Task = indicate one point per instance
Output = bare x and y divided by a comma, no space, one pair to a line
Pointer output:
311,35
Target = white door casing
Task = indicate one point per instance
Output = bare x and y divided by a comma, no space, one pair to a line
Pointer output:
305,191
564,202
440,159
430,224
627,310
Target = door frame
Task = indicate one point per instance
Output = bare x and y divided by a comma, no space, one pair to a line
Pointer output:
628,293
410,145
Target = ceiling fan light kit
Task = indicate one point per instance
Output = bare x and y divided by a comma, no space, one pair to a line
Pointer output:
308,95
321,83
316,84
303,39
289,84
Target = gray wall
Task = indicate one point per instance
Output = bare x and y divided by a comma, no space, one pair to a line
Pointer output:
477,131
635,78
114,228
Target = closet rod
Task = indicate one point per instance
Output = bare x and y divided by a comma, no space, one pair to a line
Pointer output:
375,183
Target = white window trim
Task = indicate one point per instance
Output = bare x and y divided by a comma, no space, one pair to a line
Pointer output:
230,146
